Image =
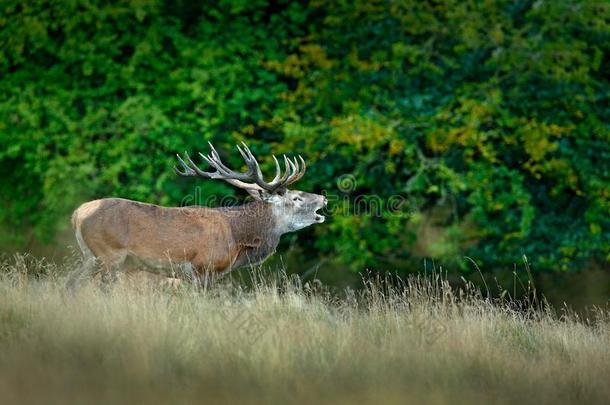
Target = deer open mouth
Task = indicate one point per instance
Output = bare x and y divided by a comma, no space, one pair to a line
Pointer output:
319,217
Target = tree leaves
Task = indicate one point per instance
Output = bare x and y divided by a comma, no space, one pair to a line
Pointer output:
488,118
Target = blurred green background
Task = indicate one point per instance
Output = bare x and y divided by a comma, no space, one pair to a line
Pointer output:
487,120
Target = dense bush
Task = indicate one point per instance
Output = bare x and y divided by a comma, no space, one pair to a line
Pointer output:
489,118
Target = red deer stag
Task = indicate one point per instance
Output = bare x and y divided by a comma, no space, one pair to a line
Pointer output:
196,240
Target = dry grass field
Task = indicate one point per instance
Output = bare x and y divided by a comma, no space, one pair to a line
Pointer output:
280,341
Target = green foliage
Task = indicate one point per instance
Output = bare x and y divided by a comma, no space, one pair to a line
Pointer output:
489,118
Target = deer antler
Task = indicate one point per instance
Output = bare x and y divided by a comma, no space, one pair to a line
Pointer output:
252,178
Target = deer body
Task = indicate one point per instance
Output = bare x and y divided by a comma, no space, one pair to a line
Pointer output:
115,232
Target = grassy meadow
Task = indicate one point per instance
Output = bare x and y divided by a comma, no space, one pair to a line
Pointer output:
273,339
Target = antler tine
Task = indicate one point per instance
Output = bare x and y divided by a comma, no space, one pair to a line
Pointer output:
278,170
251,161
213,152
187,170
221,169
244,155
190,168
247,159
295,167
195,168
299,171
214,160
286,175
303,167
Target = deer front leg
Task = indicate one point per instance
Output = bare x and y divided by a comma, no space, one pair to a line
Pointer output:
187,272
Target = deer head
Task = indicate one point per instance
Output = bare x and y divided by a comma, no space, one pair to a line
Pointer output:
292,209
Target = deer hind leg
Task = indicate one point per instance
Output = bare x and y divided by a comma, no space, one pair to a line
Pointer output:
84,272
87,268
195,276
112,264
187,272
208,278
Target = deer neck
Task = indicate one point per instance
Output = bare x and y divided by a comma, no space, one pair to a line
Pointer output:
255,230
254,224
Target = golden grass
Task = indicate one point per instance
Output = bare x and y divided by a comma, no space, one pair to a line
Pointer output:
281,341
